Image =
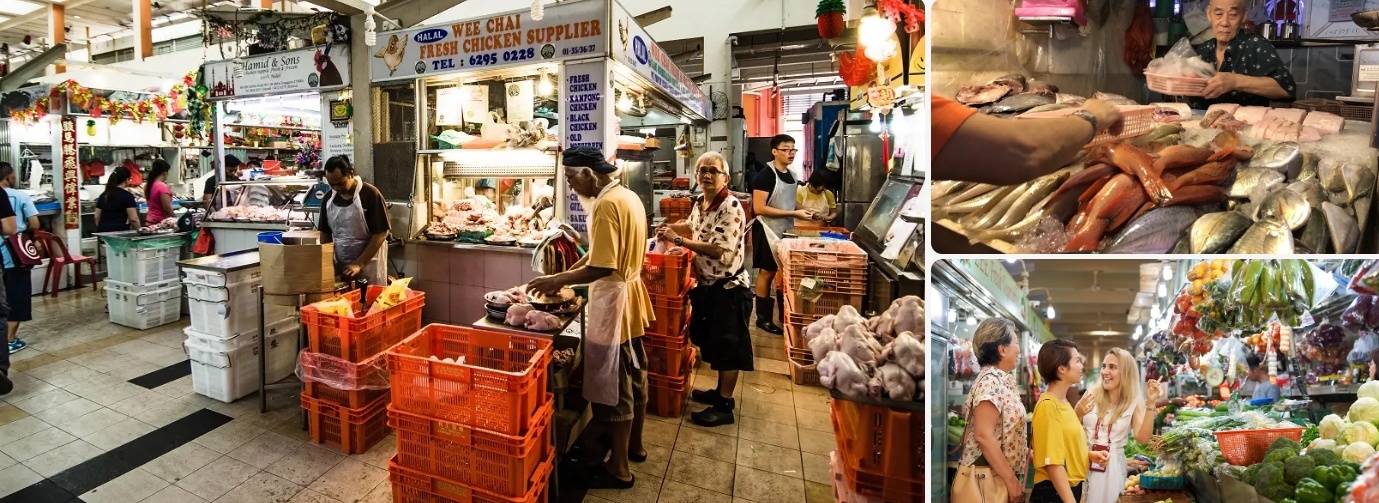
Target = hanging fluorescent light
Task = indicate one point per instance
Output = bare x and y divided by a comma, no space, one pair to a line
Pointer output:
544,86
875,122
370,27
1168,272
1163,290
971,320
625,103
1154,311
899,126
952,315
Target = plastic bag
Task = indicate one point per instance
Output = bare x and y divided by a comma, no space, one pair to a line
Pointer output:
1181,61
342,374
391,296
1359,353
335,307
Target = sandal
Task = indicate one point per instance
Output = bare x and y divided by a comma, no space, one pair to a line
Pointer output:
637,457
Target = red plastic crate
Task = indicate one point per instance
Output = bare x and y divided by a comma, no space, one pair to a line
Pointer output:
499,387
668,274
666,395
352,399
502,464
411,486
354,431
665,355
874,438
672,313
842,487
320,373
363,337
870,484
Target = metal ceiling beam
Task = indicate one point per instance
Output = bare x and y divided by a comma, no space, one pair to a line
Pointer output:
32,68
653,17
15,22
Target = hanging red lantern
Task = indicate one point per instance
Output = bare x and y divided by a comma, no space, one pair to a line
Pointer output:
855,69
829,16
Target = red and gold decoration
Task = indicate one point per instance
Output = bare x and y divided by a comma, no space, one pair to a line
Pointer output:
829,15
71,178
157,107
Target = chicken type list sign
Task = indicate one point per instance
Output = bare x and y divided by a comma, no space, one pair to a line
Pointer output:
571,30
71,180
586,84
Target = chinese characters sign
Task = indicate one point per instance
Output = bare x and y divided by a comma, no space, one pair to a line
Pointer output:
71,183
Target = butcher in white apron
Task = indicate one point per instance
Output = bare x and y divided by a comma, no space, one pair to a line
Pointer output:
773,202
618,311
345,221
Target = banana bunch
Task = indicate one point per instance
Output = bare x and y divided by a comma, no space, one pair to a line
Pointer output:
1267,288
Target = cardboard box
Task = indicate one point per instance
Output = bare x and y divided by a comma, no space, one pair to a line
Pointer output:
297,269
302,237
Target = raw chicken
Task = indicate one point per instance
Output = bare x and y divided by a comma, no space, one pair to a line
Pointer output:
906,351
813,329
517,314
883,326
857,343
542,321
1229,108
1325,122
1251,115
847,316
840,372
909,315
894,381
826,341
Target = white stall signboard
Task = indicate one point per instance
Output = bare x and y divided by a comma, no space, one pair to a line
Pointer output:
568,30
279,73
634,48
585,89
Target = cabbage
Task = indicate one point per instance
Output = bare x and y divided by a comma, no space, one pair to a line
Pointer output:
1357,452
1360,431
1364,409
1369,389
1331,426
1322,444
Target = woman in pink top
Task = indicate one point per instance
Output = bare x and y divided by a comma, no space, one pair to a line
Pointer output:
158,193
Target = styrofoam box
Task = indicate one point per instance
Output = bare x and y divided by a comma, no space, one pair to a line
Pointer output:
230,375
144,306
243,338
142,266
226,311
39,274
212,278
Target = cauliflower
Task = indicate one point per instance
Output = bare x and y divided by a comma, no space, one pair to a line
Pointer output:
1360,431
1331,426
1357,452
1364,409
1369,389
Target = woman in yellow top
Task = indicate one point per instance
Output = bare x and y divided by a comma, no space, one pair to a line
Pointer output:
816,199
1060,444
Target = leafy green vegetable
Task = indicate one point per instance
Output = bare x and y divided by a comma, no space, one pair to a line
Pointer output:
1311,433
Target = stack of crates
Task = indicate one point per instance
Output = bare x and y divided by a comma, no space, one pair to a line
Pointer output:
141,285
879,453
223,338
675,209
835,271
344,417
473,416
668,279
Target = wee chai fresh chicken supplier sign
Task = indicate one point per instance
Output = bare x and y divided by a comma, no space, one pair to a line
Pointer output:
567,31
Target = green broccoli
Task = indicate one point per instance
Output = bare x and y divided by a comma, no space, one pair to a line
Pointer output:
1270,482
1324,457
1280,455
1297,468
1284,443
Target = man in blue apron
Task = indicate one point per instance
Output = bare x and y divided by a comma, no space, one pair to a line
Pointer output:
354,217
773,202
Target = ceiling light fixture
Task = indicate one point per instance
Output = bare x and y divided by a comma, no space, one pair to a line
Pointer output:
971,320
1163,289
952,315
1168,272
544,86
1154,311
1049,311
875,122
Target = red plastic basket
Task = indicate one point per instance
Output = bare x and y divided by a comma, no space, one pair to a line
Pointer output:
1137,120
668,274
874,438
1177,86
666,395
675,209
869,484
411,486
803,370
345,398
1247,447
665,355
823,253
360,338
499,387
671,315
501,464
354,431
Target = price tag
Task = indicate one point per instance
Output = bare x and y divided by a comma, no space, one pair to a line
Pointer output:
811,289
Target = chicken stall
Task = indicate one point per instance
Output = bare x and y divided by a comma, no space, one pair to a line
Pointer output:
281,115
482,107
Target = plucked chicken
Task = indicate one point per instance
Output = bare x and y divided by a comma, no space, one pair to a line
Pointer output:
839,371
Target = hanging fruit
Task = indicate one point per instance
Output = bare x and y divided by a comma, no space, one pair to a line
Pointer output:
829,15
90,127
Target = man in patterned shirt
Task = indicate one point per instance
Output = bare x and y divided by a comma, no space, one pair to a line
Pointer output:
1249,71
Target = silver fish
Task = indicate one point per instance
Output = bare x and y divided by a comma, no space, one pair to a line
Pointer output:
1345,233
1250,180
1311,190
1155,232
1329,174
973,204
1038,190
1309,168
1359,181
1071,99
1285,206
1265,237
994,210
1283,157
1315,235
943,188
1047,108
964,195
1018,103
1215,232
1030,222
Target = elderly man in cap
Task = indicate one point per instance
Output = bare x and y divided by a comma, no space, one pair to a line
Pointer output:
619,308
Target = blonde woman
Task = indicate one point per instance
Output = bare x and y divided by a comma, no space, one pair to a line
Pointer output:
1110,412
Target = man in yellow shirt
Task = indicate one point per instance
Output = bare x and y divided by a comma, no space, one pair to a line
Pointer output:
817,199
619,308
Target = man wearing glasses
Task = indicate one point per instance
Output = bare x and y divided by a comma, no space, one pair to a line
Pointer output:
773,202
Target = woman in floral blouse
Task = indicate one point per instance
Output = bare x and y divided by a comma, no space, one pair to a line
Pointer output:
722,302
996,435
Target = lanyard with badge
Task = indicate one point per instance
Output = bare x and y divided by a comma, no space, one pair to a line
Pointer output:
1097,467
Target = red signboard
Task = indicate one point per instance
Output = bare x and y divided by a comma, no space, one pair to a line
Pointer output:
71,181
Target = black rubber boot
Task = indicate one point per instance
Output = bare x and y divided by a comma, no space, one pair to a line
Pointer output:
706,396
715,415
6,386
766,308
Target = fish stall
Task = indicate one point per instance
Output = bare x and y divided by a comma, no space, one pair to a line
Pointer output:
1231,179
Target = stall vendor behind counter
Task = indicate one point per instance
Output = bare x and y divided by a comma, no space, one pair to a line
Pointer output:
354,217
1249,71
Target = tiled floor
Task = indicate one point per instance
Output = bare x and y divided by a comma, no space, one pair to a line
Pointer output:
73,403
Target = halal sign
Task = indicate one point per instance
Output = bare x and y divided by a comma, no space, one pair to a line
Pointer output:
640,51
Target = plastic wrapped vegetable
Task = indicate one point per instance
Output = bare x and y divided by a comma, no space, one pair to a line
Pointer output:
1356,314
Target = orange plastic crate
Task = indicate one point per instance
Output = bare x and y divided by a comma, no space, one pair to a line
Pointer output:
665,355
499,387
668,274
822,253
360,338
1247,447
868,484
803,370
675,209
842,488
411,486
354,431
666,395
813,231
886,441
672,313
501,464
352,399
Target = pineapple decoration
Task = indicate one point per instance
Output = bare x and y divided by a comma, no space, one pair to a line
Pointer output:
829,15
90,128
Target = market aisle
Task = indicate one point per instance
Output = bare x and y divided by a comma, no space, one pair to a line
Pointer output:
75,422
